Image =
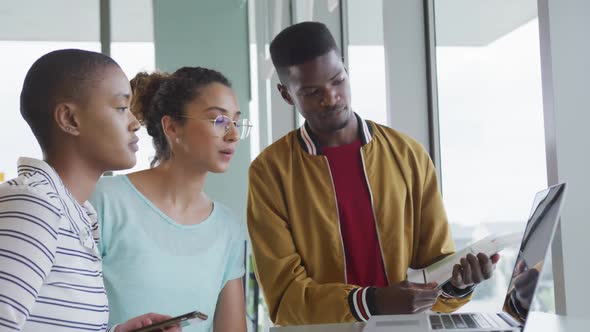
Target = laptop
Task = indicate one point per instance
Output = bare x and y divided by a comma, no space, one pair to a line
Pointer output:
534,245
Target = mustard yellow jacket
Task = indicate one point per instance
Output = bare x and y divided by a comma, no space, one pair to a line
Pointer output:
294,225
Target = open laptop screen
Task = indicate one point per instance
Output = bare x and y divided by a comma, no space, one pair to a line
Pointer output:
536,240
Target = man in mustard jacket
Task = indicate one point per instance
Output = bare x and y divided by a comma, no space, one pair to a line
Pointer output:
339,209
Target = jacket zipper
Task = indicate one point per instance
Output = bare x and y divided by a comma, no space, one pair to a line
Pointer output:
337,216
374,216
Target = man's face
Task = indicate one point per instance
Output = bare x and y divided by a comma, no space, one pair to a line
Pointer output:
320,90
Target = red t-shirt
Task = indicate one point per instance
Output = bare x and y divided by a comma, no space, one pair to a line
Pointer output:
364,263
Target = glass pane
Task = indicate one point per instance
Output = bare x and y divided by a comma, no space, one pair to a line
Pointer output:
367,81
21,43
135,57
491,128
17,58
132,46
366,59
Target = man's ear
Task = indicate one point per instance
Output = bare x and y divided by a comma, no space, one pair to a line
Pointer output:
285,94
66,118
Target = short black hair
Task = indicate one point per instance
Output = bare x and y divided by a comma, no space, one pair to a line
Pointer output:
58,76
299,43
158,94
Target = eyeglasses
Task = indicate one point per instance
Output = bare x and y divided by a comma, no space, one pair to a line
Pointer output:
222,124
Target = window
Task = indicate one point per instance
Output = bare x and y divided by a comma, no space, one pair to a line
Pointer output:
22,41
366,59
491,129
17,58
132,46
135,57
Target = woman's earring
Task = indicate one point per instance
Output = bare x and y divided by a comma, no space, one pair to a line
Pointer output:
177,140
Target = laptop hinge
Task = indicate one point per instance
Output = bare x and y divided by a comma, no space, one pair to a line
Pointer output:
509,320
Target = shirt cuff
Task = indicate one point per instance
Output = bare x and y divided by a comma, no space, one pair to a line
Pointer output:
362,303
451,292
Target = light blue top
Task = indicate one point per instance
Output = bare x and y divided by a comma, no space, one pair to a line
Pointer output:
153,264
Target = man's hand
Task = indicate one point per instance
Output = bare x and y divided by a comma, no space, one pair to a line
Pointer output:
473,270
145,320
524,285
406,298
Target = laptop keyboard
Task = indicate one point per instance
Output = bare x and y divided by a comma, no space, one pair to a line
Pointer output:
458,321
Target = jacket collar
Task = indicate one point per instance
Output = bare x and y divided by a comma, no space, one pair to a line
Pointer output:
311,145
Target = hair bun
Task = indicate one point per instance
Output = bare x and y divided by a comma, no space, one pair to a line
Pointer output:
144,87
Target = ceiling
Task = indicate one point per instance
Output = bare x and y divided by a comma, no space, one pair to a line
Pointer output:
74,20
458,22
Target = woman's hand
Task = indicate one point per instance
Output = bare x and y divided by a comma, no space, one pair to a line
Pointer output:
146,320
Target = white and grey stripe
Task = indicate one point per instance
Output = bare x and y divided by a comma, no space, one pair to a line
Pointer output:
50,268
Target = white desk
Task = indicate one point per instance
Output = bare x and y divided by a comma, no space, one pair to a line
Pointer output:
350,327
537,322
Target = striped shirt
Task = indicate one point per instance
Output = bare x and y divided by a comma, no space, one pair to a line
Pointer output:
50,267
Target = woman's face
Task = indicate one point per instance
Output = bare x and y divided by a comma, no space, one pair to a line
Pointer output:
201,140
107,128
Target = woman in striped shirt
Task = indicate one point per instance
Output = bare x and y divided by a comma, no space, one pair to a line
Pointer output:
77,105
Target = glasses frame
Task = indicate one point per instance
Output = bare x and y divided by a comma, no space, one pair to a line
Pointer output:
244,123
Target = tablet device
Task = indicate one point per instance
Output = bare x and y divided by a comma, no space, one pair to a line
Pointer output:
182,320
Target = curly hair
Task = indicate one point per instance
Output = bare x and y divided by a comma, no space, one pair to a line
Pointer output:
158,94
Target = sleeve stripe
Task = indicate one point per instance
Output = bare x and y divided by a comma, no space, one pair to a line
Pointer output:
20,284
364,302
8,326
99,291
74,269
72,302
23,262
25,313
31,199
74,251
61,252
358,304
68,321
74,285
42,248
43,322
353,310
364,313
68,233
8,321
94,275
30,218
104,309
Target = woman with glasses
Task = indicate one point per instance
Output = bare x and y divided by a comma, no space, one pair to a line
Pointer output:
165,245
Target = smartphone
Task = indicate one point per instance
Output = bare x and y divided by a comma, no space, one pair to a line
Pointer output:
182,320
